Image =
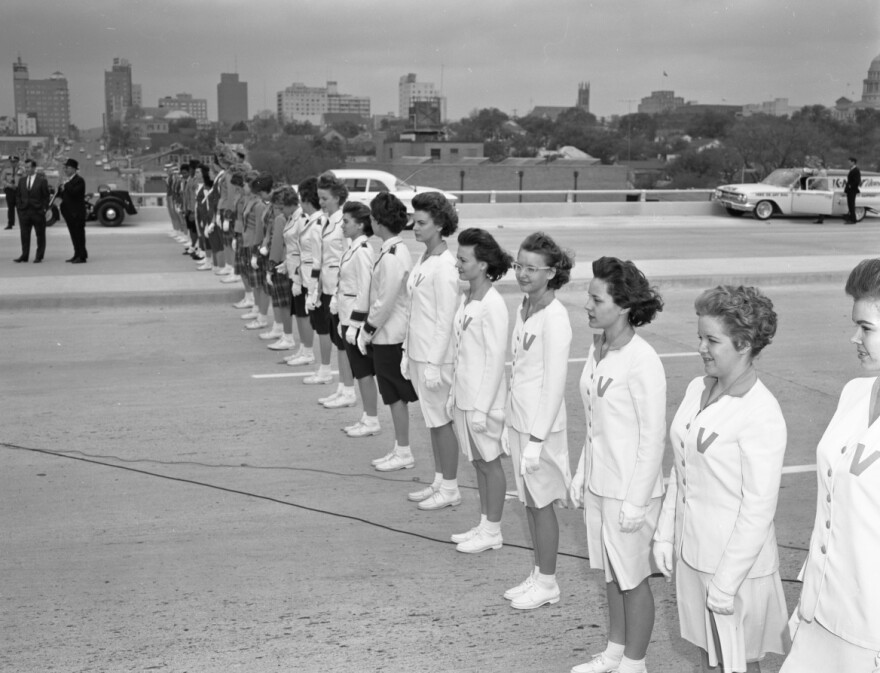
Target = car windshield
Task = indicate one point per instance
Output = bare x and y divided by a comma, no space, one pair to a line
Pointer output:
402,186
782,177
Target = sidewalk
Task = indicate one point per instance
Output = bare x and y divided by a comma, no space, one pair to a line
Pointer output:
141,265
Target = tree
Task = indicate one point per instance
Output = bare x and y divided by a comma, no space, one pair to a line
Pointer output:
296,128
347,128
122,138
239,126
709,124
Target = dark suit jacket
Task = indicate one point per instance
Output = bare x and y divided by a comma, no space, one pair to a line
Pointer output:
73,198
36,198
853,180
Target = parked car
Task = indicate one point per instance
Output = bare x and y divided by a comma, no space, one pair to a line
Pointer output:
109,206
364,184
799,191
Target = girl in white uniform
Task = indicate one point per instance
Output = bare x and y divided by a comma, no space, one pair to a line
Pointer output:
728,438
433,291
619,477
309,248
839,608
535,414
479,389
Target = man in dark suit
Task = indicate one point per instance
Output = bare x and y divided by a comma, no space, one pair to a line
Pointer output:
10,187
32,201
72,193
853,182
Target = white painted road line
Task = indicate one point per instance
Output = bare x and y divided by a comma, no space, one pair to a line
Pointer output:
297,375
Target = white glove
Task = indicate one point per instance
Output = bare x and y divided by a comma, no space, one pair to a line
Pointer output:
478,422
632,517
404,364
297,288
234,245
281,268
432,377
351,335
531,458
313,301
225,224
254,262
505,440
334,305
363,339
268,278
576,489
340,330
718,601
264,251
663,558
209,229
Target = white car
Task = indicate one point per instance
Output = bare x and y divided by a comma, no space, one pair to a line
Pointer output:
363,185
799,191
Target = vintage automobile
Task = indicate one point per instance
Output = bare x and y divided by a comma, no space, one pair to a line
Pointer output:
799,191
109,206
364,184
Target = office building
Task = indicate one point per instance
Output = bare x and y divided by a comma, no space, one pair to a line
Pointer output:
195,107
117,91
137,95
301,103
232,99
409,89
660,101
41,105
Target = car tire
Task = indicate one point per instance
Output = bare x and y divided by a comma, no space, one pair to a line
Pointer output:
110,213
860,214
763,210
733,212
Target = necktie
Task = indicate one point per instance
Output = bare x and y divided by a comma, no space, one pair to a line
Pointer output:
30,182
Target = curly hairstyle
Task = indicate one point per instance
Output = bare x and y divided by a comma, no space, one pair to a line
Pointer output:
746,313
329,182
438,208
360,213
629,288
864,280
554,256
486,249
308,192
389,211
284,195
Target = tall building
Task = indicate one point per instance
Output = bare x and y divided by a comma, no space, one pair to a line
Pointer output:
44,102
137,95
871,85
195,107
117,91
302,103
408,89
583,100
232,99
660,101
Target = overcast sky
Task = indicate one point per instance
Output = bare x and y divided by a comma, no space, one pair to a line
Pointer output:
510,54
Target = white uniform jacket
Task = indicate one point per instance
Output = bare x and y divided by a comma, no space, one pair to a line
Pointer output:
386,310
355,269
480,347
536,397
433,297
842,573
724,483
291,233
310,250
625,403
333,245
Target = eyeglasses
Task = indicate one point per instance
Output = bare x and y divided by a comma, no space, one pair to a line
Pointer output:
529,269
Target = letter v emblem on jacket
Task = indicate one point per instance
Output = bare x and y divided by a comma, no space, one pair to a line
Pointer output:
528,340
703,445
419,279
603,385
858,465
464,323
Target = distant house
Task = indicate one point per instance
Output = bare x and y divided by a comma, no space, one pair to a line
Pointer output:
550,112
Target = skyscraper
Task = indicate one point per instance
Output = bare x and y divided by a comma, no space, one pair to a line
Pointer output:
195,107
583,101
232,99
47,99
117,91
409,90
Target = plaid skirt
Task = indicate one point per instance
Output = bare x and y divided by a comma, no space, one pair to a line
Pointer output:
255,277
242,261
280,289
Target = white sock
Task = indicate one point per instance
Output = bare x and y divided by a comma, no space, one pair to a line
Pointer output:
265,317
438,479
536,572
402,451
491,527
307,351
628,665
545,581
614,650
348,391
288,336
370,420
483,520
323,370
339,388
449,485
248,296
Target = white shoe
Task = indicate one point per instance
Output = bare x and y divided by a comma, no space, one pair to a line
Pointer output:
285,343
231,279
223,271
302,359
521,588
440,499
600,663
204,267
244,303
253,314
481,542
275,333
396,463
536,596
421,494
362,429
458,538
256,323
329,398
341,400
386,457
318,379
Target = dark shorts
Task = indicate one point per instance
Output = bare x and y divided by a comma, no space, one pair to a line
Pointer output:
392,386
298,307
279,290
320,317
361,365
242,258
215,238
337,340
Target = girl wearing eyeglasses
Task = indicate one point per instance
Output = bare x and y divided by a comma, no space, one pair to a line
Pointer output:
535,414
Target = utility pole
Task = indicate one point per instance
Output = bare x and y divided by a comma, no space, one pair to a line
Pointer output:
629,102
